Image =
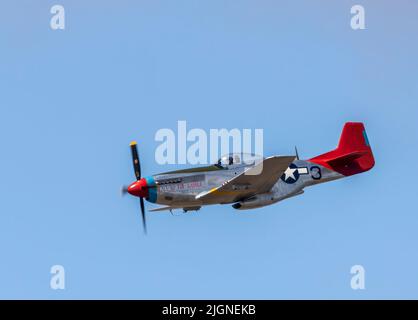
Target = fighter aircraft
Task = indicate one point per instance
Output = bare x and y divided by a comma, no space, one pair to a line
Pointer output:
251,184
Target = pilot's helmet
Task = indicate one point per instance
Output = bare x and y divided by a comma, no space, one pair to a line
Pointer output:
224,160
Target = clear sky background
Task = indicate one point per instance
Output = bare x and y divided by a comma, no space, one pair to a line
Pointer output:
71,101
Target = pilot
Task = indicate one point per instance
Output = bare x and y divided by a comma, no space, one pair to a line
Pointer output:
222,162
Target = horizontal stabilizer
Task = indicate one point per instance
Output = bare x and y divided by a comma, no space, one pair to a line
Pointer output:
345,158
353,153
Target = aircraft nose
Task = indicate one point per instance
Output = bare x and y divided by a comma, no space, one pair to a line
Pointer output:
139,188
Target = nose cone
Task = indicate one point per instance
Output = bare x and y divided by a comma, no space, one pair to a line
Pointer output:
139,188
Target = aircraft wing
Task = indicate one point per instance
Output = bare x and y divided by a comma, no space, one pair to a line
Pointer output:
185,209
163,208
257,179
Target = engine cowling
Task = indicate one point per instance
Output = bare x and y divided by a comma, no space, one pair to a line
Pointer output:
257,201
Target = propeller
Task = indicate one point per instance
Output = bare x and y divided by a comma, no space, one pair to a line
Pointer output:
137,170
135,160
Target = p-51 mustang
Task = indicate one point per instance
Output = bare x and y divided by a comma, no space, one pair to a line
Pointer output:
249,185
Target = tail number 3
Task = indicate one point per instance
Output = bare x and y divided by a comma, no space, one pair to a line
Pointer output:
316,173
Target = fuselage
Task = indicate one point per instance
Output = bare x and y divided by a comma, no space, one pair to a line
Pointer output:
180,188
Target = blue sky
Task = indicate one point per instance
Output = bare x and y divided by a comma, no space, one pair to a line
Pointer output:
72,100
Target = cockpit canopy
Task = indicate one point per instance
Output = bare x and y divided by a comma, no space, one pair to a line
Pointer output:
238,159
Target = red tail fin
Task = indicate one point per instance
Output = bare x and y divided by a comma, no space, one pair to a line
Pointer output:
353,154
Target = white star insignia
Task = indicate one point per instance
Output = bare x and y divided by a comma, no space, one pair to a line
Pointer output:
289,173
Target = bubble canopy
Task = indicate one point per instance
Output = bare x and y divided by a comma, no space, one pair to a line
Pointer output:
238,159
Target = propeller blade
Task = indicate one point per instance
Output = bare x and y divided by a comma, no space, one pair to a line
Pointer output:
135,160
144,223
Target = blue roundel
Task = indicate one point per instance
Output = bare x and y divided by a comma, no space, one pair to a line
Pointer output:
291,175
